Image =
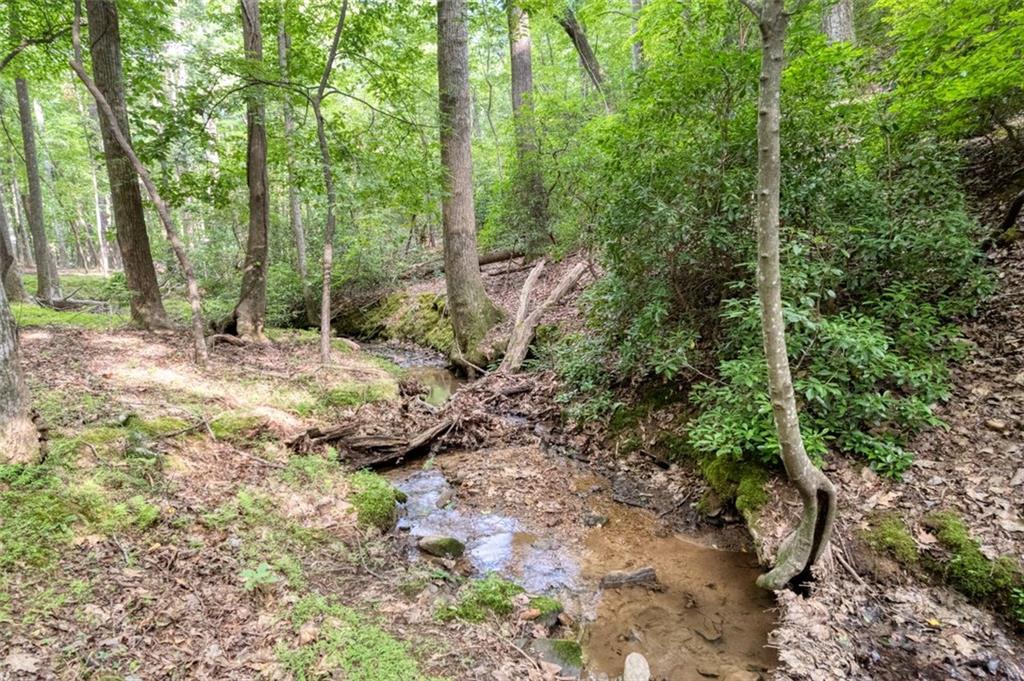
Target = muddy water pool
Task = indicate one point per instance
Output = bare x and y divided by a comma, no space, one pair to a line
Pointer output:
553,528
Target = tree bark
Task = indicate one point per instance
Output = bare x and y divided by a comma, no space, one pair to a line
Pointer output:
473,313
195,302
637,54
47,280
89,115
325,167
529,181
252,304
147,308
10,272
19,439
294,205
805,545
838,22
567,20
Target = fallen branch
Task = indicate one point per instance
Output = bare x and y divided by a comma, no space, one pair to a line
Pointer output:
438,265
369,451
526,324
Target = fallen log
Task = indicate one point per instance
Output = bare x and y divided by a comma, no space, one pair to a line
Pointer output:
645,576
438,265
374,450
526,324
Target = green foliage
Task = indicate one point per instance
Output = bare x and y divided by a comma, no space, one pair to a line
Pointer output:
260,577
890,535
345,644
29,315
374,499
480,598
740,482
312,470
356,393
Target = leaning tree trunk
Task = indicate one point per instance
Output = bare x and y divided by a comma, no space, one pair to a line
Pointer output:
805,545
528,179
147,307
252,303
473,313
568,21
195,302
294,205
838,22
19,439
47,281
10,272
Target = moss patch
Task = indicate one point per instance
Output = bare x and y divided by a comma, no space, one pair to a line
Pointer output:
889,534
235,426
547,605
416,318
374,500
345,645
480,598
742,483
353,394
567,652
29,315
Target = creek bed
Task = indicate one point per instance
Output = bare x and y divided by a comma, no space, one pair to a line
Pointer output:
552,527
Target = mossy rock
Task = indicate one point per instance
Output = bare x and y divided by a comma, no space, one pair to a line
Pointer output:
441,547
549,609
374,500
415,318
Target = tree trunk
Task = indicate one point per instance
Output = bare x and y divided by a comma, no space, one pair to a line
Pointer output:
528,179
18,225
252,303
10,272
637,55
473,313
47,281
19,439
805,545
838,22
294,206
195,302
567,20
325,167
147,307
88,116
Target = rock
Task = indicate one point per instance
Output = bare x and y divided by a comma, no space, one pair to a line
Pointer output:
565,653
595,520
998,425
644,576
400,496
637,668
442,547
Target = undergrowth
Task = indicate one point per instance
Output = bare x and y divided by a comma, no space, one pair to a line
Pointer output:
480,598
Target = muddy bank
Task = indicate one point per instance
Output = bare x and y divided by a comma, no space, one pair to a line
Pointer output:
553,526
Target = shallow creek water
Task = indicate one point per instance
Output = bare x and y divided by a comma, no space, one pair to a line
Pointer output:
708,620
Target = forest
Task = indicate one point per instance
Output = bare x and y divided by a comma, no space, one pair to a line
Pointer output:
596,340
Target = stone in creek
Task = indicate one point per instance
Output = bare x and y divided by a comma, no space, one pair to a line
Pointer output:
637,668
442,547
595,520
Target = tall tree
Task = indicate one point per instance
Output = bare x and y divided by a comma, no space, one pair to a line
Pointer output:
805,545
89,116
838,22
19,439
251,310
10,272
162,210
529,180
294,203
129,218
473,313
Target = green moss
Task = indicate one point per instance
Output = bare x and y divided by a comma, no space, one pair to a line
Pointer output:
568,652
346,645
303,471
234,426
419,319
889,534
480,598
29,315
374,500
354,394
161,426
546,605
998,583
740,482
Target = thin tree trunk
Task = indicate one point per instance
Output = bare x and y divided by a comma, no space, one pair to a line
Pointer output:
251,310
195,302
567,20
473,313
147,307
88,115
637,55
294,206
805,545
19,439
24,245
47,280
838,22
10,272
325,166
529,180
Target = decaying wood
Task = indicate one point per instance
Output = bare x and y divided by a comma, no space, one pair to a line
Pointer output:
526,324
485,259
645,576
225,338
361,450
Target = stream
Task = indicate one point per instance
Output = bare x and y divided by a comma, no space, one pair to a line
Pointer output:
552,526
